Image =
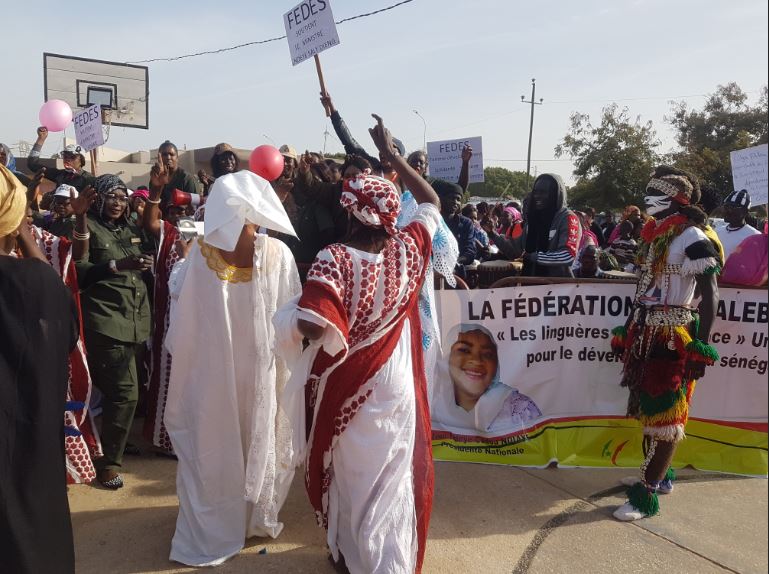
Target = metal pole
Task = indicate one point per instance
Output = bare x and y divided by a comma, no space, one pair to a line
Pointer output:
531,127
424,133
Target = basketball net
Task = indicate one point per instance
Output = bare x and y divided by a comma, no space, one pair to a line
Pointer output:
106,122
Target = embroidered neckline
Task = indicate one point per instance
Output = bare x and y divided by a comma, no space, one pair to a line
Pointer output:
653,228
224,270
656,239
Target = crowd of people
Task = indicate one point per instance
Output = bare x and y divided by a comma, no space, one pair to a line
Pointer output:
309,301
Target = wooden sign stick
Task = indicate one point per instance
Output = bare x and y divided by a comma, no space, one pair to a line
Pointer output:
320,78
93,161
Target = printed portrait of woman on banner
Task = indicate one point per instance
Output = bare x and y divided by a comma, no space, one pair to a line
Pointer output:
470,393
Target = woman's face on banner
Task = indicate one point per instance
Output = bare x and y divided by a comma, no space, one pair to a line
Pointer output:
473,363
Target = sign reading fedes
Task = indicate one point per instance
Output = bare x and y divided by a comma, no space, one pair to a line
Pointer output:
310,29
749,171
445,158
88,128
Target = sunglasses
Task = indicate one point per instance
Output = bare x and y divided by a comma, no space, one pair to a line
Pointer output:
115,198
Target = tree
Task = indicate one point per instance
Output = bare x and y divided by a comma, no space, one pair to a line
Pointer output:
726,123
612,160
501,183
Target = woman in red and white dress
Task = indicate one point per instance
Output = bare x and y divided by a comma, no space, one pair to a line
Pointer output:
165,233
369,463
81,440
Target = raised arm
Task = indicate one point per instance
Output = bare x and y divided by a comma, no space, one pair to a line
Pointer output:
33,161
422,191
464,172
307,187
351,146
33,190
159,178
80,235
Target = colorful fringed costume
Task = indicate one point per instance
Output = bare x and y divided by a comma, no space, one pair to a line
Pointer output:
659,344
660,337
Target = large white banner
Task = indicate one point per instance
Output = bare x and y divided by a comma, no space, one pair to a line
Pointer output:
521,359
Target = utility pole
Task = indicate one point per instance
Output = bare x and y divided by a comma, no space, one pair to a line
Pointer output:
325,139
531,126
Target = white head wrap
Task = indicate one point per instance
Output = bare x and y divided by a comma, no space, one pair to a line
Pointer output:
239,198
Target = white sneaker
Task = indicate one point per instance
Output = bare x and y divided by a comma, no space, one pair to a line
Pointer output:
628,513
629,480
665,487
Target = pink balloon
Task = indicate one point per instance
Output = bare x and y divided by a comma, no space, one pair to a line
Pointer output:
55,115
266,161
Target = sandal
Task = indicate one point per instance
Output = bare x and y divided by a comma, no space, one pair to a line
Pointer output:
113,483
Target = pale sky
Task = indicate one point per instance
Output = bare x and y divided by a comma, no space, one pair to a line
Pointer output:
462,65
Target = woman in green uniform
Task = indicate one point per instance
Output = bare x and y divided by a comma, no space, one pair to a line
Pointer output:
116,314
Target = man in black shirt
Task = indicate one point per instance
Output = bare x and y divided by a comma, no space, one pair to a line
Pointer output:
74,161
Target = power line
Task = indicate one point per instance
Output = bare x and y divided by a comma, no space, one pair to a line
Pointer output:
257,42
523,160
629,99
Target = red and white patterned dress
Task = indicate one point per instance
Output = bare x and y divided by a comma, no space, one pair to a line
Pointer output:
80,450
160,358
369,463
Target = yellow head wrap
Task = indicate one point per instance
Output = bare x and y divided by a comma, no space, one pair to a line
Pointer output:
13,202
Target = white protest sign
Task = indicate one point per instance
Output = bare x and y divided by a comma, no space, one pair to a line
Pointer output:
749,171
445,158
310,29
88,128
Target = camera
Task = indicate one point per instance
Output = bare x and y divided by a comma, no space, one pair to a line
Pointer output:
189,228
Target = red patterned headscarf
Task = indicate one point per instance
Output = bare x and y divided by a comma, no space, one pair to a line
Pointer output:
374,201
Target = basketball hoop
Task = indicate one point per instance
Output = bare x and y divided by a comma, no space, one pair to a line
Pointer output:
121,90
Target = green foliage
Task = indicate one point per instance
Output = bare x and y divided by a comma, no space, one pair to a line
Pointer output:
612,160
726,123
500,182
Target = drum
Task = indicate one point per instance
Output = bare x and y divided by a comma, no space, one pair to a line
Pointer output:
619,275
489,272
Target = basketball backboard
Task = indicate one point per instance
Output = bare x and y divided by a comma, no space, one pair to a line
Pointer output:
123,89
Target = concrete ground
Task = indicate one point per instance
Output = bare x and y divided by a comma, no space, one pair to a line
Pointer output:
486,519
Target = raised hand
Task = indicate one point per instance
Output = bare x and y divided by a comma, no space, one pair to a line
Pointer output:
82,202
42,134
328,105
159,175
204,178
382,137
305,161
467,153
